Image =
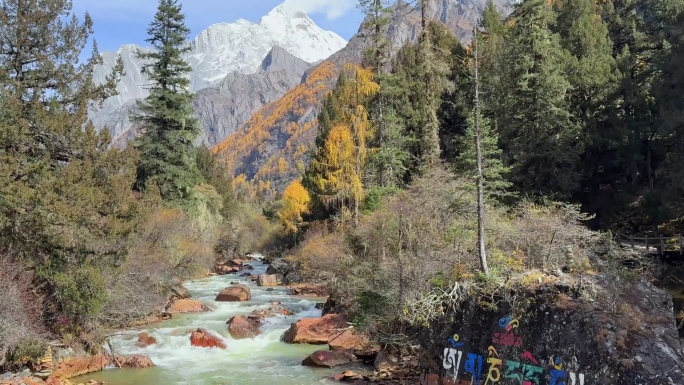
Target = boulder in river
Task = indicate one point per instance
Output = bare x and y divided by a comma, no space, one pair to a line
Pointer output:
357,343
202,338
276,308
76,366
241,327
329,359
235,293
187,306
136,361
145,340
267,280
315,330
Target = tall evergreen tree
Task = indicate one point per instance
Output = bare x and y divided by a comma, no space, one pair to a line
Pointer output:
433,74
494,67
375,27
166,117
537,129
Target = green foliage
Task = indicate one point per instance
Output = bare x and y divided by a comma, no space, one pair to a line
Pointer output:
377,22
81,292
374,198
537,130
493,171
166,116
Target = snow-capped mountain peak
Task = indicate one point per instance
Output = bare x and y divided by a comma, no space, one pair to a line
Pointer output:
219,50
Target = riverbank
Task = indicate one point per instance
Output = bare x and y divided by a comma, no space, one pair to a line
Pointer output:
257,360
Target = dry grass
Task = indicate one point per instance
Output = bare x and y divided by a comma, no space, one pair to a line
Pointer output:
20,310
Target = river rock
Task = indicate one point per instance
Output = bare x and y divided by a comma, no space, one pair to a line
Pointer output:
276,308
204,339
180,292
384,363
241,327
267,280
187,306
309,290
136,361
328,359
315,330
349,376
145,340
357,343
235,293
77,366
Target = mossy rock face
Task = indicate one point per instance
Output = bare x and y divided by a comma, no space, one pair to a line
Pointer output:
555,337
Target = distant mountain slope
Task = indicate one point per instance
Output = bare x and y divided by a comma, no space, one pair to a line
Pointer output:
223,50
272,148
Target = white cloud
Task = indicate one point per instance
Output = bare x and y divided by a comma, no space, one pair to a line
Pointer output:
333,9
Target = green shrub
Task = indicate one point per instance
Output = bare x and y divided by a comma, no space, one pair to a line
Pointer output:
81,293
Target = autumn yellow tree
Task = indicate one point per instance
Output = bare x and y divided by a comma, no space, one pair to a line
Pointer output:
336,173
296,202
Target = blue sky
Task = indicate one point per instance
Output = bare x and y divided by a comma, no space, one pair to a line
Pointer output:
119,22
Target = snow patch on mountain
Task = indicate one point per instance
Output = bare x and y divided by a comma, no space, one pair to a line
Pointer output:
219,50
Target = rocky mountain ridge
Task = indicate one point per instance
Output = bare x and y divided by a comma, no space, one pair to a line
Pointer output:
218,55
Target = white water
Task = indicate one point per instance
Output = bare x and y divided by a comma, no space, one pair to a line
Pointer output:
256,361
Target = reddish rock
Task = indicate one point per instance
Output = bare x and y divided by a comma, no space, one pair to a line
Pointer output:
78,366
348,376
275,309
187,306
33,381
222,269
357,343
145,340
202,338
315,330
133,362
267,280
329,359
236,293
241,327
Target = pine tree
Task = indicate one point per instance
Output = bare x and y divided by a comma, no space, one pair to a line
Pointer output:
166,116
433,73
66,208
494,68
495,185
537,127
375,30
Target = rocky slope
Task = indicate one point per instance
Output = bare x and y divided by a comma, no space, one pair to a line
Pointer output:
271,148
218,56
222,109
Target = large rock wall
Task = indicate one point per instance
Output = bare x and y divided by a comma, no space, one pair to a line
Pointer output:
557,340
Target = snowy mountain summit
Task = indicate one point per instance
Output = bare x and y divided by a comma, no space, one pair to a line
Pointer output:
221,49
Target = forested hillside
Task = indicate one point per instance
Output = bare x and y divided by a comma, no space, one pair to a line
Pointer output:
453,171
268,167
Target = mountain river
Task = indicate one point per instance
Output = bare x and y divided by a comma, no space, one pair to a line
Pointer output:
263,360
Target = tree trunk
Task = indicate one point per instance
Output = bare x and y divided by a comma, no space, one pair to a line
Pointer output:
480,185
